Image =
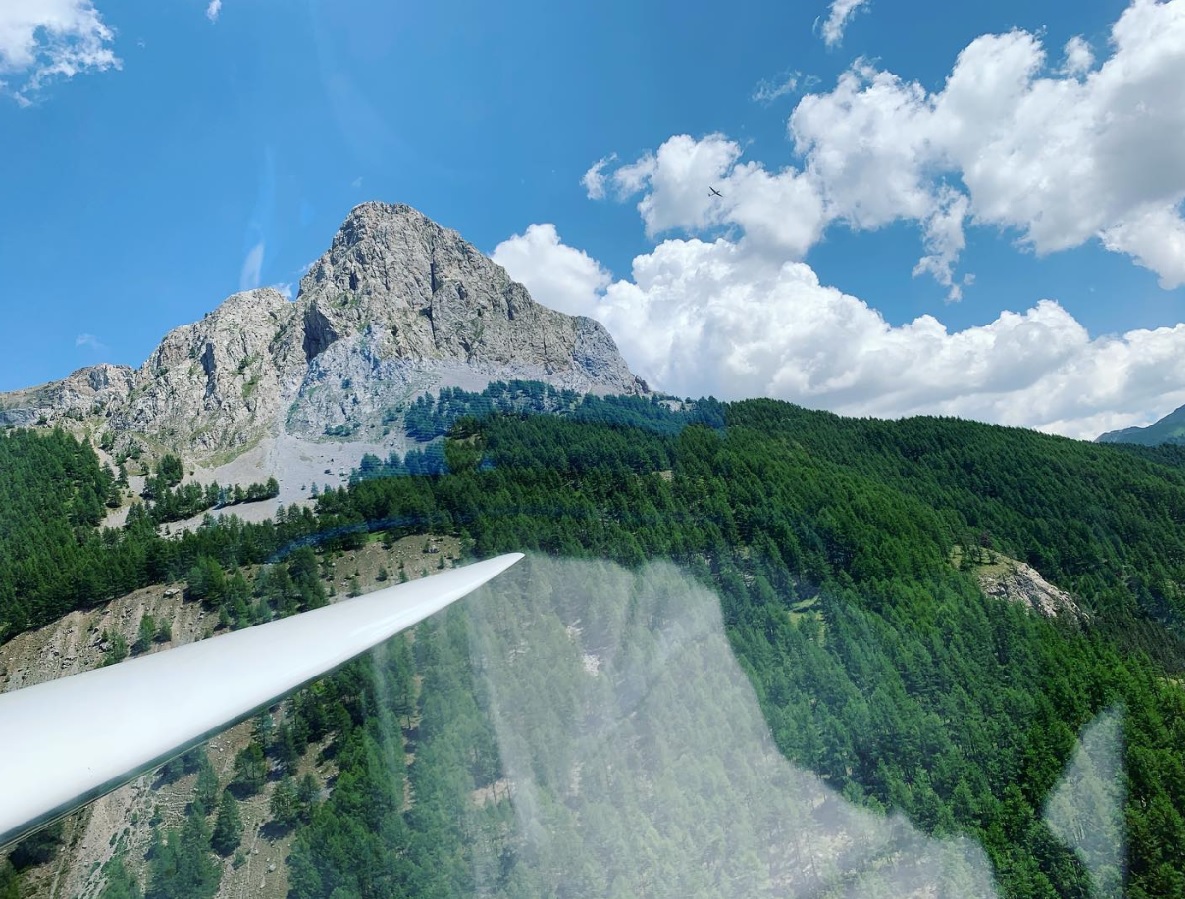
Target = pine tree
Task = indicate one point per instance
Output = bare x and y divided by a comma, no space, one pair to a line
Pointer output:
146,633
206,789
250,769
181,866
120,883
10,885
118,651
308,792
284,806
228,827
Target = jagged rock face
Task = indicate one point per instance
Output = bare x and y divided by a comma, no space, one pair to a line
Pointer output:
212,384
398,305
88,391
440,298
17,418
96,384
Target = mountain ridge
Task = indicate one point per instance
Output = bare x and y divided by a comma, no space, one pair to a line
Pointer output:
398,305
1170,429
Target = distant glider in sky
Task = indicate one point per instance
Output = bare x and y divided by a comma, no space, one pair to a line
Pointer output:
73,739
713,192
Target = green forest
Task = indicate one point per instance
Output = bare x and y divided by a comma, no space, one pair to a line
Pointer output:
815,550
433,415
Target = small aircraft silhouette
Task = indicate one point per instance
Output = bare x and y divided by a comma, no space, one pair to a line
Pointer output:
713,192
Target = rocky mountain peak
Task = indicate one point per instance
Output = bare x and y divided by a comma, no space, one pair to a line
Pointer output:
435,294
398,305
387,250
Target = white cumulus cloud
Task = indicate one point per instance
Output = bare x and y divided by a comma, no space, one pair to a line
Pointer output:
594,178
943,237
1155,237
1058,157
1056,153
557,275
44,40
676,182
1061,157
839,15
724,318
782,209
1079,56
213,10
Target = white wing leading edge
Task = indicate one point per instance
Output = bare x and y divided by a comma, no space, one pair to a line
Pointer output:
67,741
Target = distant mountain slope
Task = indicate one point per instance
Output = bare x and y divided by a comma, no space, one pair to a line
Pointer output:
1170,429
398,305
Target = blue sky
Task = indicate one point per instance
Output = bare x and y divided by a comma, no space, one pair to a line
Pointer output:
191,154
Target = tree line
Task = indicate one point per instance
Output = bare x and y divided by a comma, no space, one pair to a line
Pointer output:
168,499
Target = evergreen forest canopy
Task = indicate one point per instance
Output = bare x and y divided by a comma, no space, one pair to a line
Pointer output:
876,664
431,416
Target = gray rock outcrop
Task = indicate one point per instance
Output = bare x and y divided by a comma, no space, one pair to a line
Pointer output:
90,391
1015,581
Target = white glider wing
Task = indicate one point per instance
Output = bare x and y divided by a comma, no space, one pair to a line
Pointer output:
67,741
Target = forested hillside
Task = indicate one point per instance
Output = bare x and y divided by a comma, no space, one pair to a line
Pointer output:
52,495
876,664
53,556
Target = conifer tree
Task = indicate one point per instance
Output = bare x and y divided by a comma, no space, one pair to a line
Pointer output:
228,826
